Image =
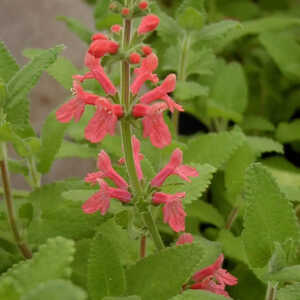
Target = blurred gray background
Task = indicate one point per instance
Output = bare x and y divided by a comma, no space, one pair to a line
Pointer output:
33,24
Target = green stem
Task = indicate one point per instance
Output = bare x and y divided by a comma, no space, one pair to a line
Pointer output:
10,205
126,140
182,75
143,246
34,174
271,291
231,218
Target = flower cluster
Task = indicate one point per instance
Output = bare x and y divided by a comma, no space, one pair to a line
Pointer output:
212,278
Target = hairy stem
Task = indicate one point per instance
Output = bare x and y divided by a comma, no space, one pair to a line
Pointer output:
10,205
126,139
271,292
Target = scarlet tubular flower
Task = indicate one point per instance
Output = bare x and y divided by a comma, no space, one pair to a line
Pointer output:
137,156
185,238
97,72
145,72
148,23
173,211
146,50
214,278
101,46
153,123
99,36
74,108
116,28
174,167
106,171
161,93
143,5
101,200
104,120
134,58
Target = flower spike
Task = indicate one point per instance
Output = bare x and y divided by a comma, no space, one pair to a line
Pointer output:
104,120
161,93
153,123
148,23
174,167
144,73
74,108
173,211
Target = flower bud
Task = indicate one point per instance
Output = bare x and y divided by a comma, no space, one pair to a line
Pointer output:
134,58
143,5
116,28
146,50
125,11
148,23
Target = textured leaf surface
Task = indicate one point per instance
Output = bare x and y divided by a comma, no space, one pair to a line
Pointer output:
288,132
261,145
186,90
290,292
154,278
266,205
24,80
193,189
56,290
105,274
29,274
69,149
8,65
198,295
253,122
76,27
214,149
51,138
9,289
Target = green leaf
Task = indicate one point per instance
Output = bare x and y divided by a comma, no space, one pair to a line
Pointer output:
262,145
198,295
191,19
76,27
56,290
193,189
105,274
288,132
214,148
108,21
253,122
232,104
162,281
265,206
51,139
285,52
123,298
24,80
291,273
8,65
29,274
290,292
9,290
199,5
186,90
69,149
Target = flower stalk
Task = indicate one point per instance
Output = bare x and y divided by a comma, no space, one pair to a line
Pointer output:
271,291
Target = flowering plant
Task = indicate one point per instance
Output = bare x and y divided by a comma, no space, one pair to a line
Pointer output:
162,216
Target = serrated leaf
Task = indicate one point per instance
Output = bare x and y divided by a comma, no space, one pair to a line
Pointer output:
232,103
76,27
262,145
24,80
191,19
51,138
8,65
29,274
193,189
198,295
253,122
162,281
196,4
69,149
265,206
214,148
290,292
105,274
56,290
288,132
186,90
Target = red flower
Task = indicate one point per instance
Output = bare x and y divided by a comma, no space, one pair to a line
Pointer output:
173,211
101,46
161,93
116,28
99,36
144,73
185,238
97,72
137,156
134,58
174,167
125,11
153,123
101,200
143,5
214,278
146,50
106,171
148,23
74,108
104,120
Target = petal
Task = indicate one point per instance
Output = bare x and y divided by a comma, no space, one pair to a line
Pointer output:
94,177
120,194
74,108
174,215
148,23
160,135
185,238
160,197
99,201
